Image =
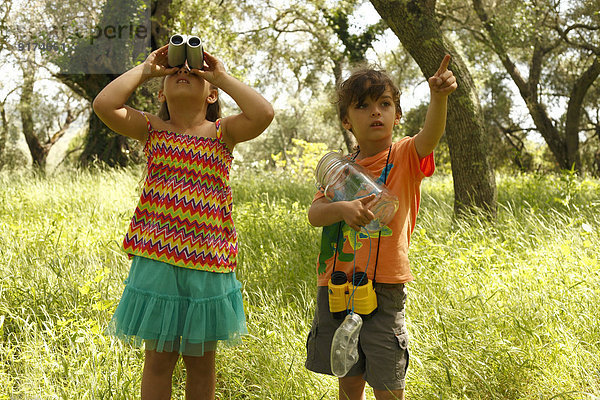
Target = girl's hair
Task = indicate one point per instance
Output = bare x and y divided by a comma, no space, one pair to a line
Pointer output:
365,82
213,111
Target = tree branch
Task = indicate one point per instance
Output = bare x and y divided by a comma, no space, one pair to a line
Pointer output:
564,34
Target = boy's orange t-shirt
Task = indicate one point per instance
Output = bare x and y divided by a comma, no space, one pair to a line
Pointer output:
405,173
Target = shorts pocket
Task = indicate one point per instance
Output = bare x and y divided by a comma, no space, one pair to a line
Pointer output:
311,344
402,354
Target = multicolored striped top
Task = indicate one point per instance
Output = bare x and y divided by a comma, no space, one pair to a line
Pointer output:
184,214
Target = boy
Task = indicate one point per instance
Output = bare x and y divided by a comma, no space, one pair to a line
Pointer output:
369,107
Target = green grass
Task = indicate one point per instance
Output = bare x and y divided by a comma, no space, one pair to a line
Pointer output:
498,311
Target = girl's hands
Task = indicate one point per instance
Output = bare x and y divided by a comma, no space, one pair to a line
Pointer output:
213,70
157,65
443,81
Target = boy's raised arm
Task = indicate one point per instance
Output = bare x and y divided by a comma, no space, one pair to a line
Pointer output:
441,84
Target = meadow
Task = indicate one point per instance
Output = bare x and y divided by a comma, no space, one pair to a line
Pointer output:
499,310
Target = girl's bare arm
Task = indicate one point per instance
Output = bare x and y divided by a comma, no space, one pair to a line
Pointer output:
110,106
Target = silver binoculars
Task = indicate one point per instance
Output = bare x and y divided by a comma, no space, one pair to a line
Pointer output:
182,47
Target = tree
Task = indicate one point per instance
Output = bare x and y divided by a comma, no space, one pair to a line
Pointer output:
550,49
89,79
417,28
23,42
50,39
591,129
355,49
303,56
4,129
44,134
26,110
313,41
5,8
507,134
82,58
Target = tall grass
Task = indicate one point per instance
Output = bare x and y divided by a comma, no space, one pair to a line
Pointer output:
504,310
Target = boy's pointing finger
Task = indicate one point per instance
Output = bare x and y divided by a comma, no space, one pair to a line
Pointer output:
444,65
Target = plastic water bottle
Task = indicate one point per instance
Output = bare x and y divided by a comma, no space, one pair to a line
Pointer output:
344,346
342,179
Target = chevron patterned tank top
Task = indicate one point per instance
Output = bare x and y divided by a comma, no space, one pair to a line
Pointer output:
184,213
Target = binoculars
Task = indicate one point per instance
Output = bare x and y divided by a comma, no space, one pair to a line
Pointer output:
182,47
358,295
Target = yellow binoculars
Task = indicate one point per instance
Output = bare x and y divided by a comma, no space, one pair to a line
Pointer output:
357,296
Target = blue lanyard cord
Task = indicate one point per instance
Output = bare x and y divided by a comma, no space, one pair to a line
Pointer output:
351,298
337,242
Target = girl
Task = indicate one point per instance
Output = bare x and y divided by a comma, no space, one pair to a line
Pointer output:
182,296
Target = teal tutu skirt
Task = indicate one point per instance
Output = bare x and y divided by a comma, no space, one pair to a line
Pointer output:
178,309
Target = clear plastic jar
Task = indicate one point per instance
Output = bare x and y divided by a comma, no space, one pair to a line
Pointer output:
342,179
344,346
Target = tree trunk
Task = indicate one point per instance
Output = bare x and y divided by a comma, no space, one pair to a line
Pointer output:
101,144
414,23
574,109
160,16
104,145
564,148
3,131
37,150
349,138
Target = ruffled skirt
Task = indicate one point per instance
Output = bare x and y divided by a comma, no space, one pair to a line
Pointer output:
178,309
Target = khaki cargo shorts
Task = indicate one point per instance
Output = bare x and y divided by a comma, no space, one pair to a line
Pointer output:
383,342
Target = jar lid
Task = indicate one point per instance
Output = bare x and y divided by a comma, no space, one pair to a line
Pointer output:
326,163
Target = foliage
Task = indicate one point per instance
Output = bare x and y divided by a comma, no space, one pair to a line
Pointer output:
549,51
314,121
301,160
355,45
311,44
35,38
12,154
504,310
294,51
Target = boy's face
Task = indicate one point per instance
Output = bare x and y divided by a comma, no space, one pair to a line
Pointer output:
372,120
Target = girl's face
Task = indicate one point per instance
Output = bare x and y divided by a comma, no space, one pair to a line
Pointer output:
373,119
184,84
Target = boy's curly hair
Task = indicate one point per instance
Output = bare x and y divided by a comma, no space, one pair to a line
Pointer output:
364,82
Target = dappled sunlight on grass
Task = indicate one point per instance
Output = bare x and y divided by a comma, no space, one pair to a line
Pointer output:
499,310
504,309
